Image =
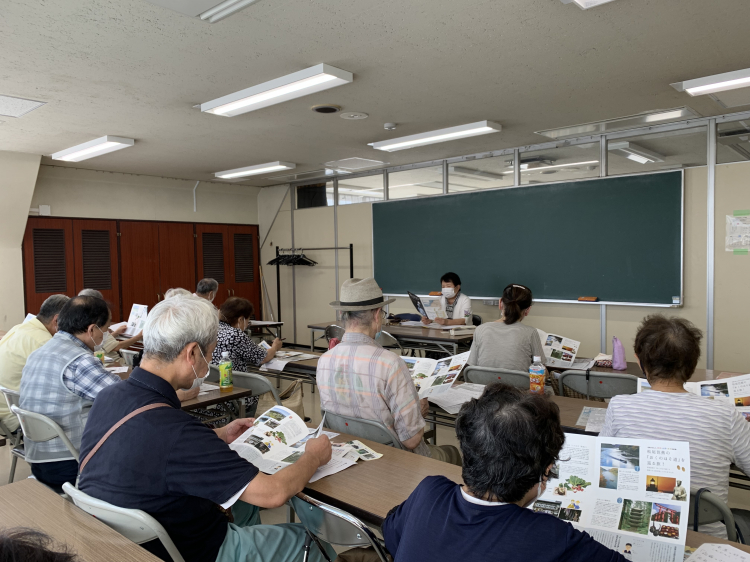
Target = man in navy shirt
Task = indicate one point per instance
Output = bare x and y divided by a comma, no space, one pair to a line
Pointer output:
510,440
168,464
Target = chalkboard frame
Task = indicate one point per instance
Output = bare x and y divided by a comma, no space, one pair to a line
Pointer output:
674,304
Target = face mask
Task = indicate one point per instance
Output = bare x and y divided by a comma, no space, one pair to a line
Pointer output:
449,292
98,346
199,380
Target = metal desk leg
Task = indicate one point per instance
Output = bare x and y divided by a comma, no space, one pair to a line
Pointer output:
433,427
312,339
241,407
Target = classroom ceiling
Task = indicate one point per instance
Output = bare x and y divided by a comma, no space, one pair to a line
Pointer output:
133,69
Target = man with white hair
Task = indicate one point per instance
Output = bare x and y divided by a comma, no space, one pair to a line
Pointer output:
140,451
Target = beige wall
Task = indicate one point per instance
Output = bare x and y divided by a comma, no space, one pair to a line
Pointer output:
18,173
74,192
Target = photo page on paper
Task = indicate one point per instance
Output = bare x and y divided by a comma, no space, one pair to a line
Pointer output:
559,351
136,320
733,390
435,376
632,495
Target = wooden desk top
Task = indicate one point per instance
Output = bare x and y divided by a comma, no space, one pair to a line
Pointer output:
407,332
698,376
30,504
369,490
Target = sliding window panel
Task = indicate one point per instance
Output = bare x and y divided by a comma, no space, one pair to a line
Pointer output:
243,259
669,150
362,189
315,195
560,164
213,258
733,142
139,253
96,260
176,256
48,260
420,182
485,173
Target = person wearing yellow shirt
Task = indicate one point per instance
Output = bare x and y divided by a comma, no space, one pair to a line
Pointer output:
18,344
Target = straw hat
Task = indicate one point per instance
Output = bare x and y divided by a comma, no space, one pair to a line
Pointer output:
360,294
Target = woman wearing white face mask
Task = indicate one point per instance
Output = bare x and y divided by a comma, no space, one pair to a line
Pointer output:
234,319
456,305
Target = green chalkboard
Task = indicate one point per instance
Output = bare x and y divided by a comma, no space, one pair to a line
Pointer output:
616,238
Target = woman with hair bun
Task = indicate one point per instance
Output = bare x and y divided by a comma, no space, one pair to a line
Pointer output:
507,343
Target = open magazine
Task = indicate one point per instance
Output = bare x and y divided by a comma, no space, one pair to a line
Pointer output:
431,307
277,440
136,320
559,351
435,376
734,389
631,495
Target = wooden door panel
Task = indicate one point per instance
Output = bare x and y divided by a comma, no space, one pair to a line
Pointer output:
139,255
48,260
176,256
213,257
243,259
95,251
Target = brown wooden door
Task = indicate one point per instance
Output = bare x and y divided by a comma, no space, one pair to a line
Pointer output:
214,258
176,256
48,260
243,260
139,258
95,252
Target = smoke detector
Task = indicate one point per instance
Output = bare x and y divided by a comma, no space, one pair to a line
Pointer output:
326,108
389,126
354,115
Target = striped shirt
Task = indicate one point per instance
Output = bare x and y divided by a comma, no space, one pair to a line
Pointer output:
360,379
717,433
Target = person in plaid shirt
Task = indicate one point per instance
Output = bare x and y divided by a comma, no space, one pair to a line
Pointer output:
60,380
360,379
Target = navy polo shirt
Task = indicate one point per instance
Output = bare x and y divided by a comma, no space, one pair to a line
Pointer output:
164,462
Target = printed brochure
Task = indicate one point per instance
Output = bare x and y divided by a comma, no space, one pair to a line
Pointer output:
431,307
559,351
136,320
734,389
631,495
435,376
277,440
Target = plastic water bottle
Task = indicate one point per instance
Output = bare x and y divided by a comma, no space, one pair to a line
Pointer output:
536,376
225,373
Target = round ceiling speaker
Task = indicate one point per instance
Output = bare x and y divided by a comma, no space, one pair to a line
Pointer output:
326,108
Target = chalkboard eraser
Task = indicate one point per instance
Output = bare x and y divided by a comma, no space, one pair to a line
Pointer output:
588,299
436,293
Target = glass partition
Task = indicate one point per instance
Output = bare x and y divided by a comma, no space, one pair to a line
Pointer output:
486,173
560,164
361,190
315,195
672,150
733,142
415,183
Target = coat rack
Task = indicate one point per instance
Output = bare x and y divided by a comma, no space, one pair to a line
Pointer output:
293,251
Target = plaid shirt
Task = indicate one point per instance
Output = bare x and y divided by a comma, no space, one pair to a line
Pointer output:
61,380
360,379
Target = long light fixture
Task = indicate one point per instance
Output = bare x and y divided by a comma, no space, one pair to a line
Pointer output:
295,85
441,135
239,173
525,167
635,152
715,83
92,148
225,9
586,4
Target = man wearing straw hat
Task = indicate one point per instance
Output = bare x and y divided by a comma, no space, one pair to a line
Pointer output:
360,379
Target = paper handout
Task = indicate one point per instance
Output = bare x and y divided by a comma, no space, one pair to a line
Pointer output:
277,440
452,399
559,351
431,307
136,320
631,495
435,376
735,390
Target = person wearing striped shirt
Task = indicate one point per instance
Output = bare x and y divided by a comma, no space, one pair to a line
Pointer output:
668,350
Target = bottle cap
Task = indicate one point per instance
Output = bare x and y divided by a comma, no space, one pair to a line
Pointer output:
537,359
225,355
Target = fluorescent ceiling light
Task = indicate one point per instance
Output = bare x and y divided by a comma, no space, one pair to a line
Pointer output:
225,9
558,166
295,85
92,148
254,170
441,135
715,83
586,4
634,152
621,123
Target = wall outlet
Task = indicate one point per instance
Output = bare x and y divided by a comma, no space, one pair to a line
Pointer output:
45,210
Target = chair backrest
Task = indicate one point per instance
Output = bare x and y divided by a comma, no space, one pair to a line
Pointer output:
598,385
38,427
133,524
213,373
334,526
387,340
128,355
488,375
711,509
476,319
334,331
12,397
257,383
366,429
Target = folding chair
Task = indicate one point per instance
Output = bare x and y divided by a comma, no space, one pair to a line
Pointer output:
12,397
334,526
596,386
365,429
389,342
334,331
257,383
711,509
40,428
488,375
133,524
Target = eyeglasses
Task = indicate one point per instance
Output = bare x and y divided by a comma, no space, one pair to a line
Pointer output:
552,474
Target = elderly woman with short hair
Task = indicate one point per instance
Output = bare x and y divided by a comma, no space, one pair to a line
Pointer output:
668,350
